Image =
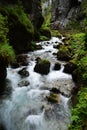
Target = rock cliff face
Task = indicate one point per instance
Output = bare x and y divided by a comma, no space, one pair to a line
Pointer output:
63,11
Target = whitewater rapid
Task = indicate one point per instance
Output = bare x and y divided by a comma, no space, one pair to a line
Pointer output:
27,108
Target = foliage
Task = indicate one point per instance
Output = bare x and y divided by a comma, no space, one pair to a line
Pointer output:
43,38
78,49
6,51
3,29
79,113
46,23
55,33
78,45
16,14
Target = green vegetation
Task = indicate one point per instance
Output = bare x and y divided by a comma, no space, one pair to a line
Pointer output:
79,113
44,61
78,43
79,54
16,14
43,38
6,51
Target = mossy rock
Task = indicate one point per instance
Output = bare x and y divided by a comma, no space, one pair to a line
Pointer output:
53,98
45,32
23,73
42,67
63,55
21,30
69,67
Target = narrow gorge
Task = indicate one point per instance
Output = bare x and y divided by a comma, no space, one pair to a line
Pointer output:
43,65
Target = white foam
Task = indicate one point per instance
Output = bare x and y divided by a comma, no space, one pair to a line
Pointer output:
33,93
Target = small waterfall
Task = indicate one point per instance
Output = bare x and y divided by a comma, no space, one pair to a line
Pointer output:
22,110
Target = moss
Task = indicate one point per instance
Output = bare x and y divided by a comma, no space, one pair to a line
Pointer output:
46,23
53,98
56,33
6,51
43,38
16,13
44,61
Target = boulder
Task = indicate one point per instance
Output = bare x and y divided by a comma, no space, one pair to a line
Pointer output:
42,67
53,98
21,60
15,64
23,22
75,76
69,67
56,46
38,47
63,55
3,73
23,83
23,72
57,66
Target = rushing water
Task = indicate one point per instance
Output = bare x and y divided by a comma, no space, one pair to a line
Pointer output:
27,108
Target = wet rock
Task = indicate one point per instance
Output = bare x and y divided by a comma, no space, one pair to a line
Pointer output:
57,66
38,47
45,32
53,98
55,90
56,46
15,65
63,56
54,53
21,60
75,76
69,67
23,72
2,126
23,83
42,67
38,59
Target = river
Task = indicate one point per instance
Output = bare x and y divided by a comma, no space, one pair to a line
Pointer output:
27,108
